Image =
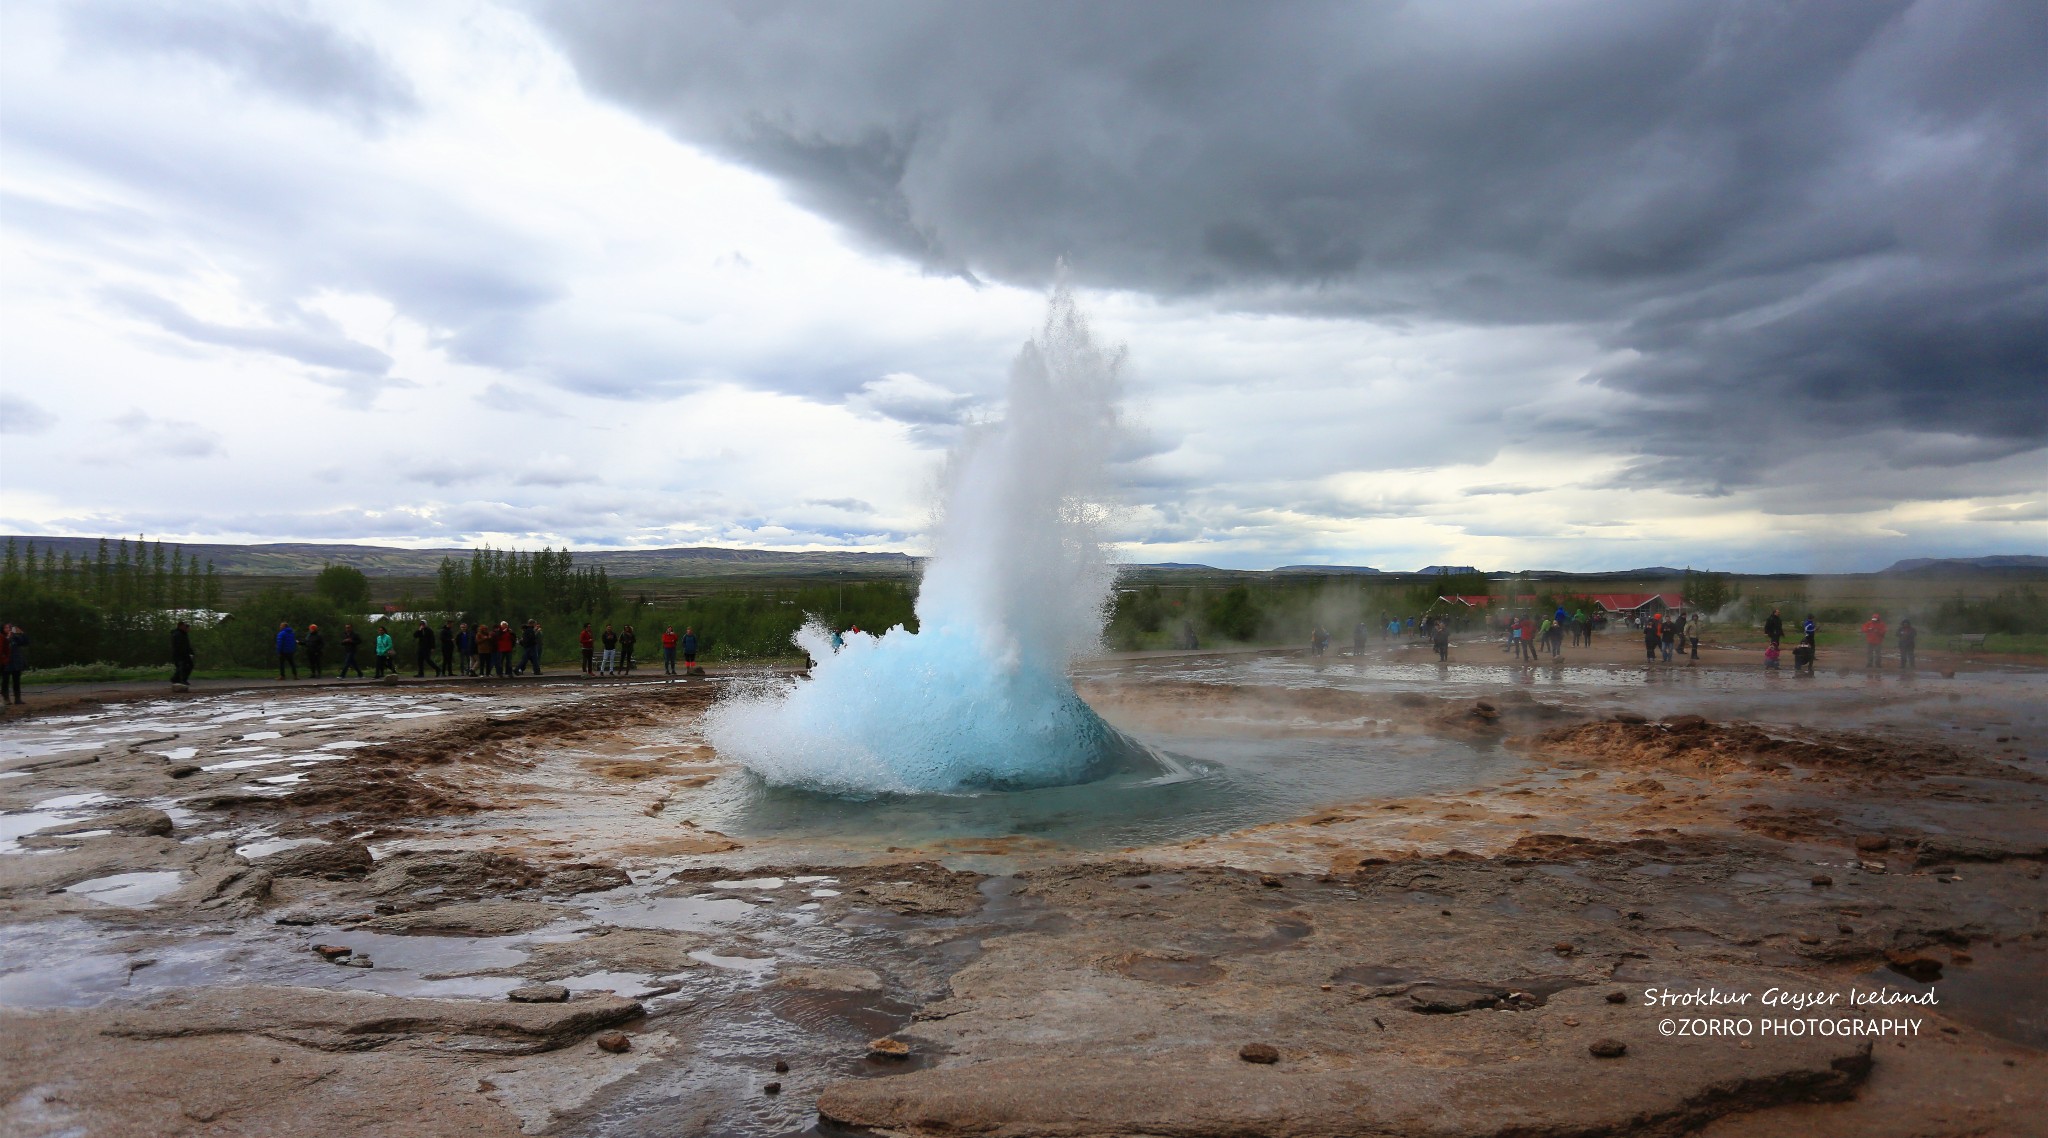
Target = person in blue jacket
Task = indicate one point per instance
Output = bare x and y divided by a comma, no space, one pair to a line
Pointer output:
287,650
689,649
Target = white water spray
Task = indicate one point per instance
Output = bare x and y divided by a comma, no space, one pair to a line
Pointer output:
978,697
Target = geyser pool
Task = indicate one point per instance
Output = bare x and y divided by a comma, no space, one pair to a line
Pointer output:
978,697
1222,783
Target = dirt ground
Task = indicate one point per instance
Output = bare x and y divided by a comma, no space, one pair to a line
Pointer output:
1688,899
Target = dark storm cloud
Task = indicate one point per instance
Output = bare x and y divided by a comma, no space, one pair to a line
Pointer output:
1799,223
275,48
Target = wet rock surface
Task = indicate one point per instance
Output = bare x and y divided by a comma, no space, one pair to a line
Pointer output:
1419,964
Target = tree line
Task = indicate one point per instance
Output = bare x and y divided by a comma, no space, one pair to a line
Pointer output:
118,605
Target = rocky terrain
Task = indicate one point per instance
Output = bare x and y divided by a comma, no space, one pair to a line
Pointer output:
429,910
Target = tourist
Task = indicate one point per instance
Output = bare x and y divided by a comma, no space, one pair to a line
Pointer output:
529,643
316,646
447,648
584,638
1358,632
1515,637
486,648
387,652
181,654
1692,634
1811,629
1667,634
610,659
423,649
690,647
1803,654
1318,640
1774,626
349,643
1771,657
287,650
1440,635
668,649
1873,641
1908,636
15,637
508,642
626,641
1650,641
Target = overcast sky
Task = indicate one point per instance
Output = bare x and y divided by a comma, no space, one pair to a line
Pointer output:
1544,285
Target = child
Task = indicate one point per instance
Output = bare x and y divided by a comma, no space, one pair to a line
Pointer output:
1771,658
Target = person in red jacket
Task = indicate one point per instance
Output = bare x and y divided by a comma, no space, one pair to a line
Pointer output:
668,651
506,643
1873,641
588,642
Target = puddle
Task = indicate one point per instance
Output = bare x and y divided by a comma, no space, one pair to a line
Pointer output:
266,847
682,914
129,890
751,964
631,985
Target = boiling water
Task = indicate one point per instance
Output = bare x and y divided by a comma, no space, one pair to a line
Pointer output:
978,698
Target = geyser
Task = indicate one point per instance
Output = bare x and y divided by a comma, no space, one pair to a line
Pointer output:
978,697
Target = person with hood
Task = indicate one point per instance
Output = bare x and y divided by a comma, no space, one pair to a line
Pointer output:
1810,628
423,649
387,651
315,646
447,648
15,638
529,643
508,642
1908,637
486,648
1774,626
668,649
1873,641
181,654
287,650
349,643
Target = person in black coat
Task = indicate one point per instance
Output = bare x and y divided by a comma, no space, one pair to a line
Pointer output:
447,648
423,655
1774,627
315,644
181,653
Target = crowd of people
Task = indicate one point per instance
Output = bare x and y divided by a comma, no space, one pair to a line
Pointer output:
1874,631
456,648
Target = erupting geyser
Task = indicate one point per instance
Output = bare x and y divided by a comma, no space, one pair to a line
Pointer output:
978,697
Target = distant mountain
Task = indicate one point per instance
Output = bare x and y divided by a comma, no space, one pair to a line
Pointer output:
1172,565
384,561
1333,570
1444,570
2000,563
